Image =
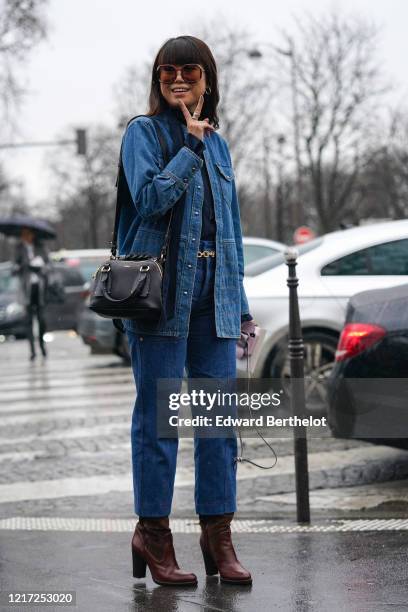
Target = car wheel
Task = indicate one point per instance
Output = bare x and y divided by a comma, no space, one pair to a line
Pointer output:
319,355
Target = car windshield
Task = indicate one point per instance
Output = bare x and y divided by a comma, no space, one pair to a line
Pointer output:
256,252
268,263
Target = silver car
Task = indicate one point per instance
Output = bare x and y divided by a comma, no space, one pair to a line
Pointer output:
330,269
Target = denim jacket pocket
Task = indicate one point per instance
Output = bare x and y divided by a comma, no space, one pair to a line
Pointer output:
226,176
230,279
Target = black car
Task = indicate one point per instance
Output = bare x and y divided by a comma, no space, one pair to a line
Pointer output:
368,386
59,315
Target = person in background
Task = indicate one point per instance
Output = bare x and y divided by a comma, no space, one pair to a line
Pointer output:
32,264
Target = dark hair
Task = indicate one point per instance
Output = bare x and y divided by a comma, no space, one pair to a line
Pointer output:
185,50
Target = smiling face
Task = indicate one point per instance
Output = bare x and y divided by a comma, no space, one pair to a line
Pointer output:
180,89
188,52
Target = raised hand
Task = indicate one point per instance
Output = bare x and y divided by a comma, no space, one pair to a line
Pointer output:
199,129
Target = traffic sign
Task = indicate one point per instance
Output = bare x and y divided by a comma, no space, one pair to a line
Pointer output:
303,234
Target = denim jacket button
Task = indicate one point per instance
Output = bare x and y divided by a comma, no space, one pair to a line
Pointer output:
196,212
189,265
193,240
185,292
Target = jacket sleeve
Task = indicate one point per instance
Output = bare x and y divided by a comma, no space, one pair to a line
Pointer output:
194,143
240,250
154,189
236,218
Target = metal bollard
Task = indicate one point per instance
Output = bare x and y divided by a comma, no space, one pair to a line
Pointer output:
297,398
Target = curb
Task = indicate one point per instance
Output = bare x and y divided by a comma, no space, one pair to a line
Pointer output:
327,470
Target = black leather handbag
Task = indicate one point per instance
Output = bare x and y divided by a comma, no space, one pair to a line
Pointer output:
130,287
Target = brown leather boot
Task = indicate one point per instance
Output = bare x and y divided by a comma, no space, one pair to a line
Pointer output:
218,551
152,545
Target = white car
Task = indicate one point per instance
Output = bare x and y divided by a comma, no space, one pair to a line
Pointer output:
330,270
258,248
87,260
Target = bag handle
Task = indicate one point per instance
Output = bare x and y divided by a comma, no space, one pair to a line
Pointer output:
138,284
121,185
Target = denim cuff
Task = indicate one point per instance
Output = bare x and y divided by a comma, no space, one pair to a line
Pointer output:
194,143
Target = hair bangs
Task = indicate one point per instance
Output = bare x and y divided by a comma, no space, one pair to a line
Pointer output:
179,51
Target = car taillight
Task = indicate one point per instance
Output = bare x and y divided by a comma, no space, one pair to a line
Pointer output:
73,262
356,338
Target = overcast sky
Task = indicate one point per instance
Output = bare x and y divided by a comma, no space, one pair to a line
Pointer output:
91,42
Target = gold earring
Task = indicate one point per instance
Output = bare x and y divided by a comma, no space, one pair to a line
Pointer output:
208,91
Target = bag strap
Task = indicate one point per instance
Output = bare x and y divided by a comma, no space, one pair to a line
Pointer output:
123,189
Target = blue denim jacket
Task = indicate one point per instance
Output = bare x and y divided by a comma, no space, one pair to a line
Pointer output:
154,189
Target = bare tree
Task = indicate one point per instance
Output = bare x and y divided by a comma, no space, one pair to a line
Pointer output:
12,201
337,84
22,26
83,190
384,182
397,150
131,93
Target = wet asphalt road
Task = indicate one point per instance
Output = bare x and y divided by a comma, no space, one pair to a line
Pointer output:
347,572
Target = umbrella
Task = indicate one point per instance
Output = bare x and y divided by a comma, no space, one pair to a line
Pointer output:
12,226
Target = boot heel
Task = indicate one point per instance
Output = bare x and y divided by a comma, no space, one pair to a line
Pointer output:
211,568
139,565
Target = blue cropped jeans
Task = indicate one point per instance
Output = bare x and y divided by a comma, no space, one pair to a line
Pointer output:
204,355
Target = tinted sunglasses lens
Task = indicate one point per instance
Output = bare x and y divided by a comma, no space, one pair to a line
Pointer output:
166,74
191,73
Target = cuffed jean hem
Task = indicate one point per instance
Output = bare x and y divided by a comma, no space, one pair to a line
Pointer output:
217,507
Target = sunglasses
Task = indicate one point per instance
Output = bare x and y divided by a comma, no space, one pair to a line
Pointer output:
190,73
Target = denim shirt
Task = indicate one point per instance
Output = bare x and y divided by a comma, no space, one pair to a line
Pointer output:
155,188
208,227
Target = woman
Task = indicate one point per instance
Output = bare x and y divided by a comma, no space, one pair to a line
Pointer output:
204,299
32,264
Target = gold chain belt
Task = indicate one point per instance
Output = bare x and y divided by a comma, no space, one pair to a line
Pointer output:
206,254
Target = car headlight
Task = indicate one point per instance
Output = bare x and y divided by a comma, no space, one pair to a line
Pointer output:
14,309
